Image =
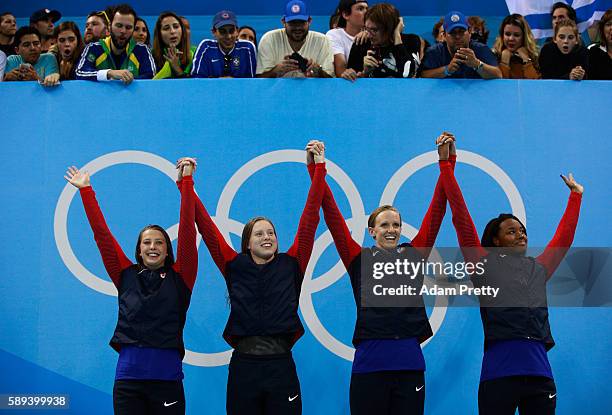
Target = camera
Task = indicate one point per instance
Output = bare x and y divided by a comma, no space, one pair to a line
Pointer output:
302,61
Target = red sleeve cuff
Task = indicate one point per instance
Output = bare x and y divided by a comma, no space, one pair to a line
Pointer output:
86,189
575,195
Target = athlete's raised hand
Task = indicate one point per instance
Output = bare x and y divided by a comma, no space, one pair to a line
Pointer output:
444,143
78,179
573,185
186,166
319,155
311,148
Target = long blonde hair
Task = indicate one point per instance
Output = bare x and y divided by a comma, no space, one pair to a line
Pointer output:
528,40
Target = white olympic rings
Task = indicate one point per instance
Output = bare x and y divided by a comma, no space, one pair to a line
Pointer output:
357,225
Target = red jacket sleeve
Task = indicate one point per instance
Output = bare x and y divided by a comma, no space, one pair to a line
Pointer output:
219,249
347,248
113,257
186,264
464,226
428,232
304,239
564,236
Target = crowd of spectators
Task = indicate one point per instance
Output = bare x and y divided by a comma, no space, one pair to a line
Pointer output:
364,41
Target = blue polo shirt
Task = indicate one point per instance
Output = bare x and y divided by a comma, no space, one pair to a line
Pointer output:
210,61
438,55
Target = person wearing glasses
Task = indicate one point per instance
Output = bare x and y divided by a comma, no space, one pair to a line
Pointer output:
459,56
225,56
387,53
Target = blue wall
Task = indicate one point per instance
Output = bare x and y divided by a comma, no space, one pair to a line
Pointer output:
57,319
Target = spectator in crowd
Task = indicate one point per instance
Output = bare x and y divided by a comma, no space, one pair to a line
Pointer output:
600,53
564,57
478,29
562,11
8,27
387,53
44,21
186,25
350,24
334,19
96,27
559,12
172,50
247,33
141,32
69,48
2,65
459,56
438,31
424,46
226,55
29,64
295,51
516,49
117,57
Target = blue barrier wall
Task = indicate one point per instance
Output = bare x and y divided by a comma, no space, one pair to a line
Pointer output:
274,8
58,311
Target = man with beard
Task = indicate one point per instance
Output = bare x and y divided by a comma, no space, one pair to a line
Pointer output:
118,56
459,56
29,64
96,27
8,27
44,21
295,51
226,56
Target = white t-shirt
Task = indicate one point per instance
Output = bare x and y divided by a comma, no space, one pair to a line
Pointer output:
341,42
274,46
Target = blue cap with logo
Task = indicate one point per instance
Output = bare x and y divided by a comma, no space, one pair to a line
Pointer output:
296,10
223,18
44,14
453,20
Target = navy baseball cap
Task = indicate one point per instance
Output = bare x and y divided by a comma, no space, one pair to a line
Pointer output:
223,18
453,20
296,10
44,14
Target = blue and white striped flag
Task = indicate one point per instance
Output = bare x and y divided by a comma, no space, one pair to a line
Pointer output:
537,13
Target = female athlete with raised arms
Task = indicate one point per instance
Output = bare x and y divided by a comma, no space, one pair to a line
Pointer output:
264,289
388,368
515,371
154,295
